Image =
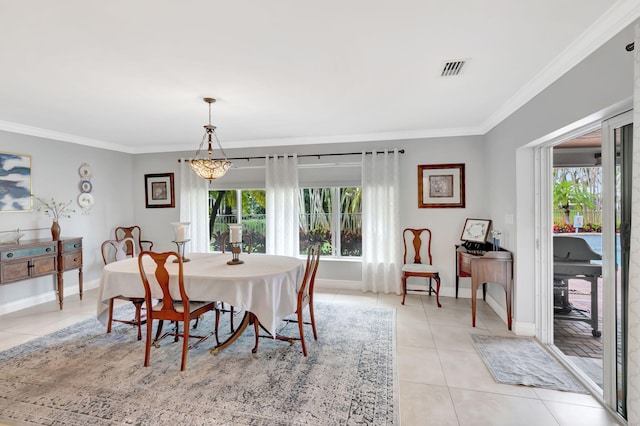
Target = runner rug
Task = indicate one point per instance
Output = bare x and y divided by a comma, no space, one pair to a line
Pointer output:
522,361
81,375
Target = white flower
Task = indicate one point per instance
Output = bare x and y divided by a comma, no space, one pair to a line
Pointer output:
495,233
54,209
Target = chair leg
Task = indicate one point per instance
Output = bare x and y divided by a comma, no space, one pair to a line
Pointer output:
138,306
404,287
185,344
147,347
301,329
437,278
313,319
216,328
110,316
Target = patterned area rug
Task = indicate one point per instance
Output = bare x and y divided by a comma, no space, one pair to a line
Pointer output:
522,361
81,375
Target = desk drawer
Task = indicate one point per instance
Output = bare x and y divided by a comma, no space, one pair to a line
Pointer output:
71,260
464,265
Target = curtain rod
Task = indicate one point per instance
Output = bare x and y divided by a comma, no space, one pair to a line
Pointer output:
400,151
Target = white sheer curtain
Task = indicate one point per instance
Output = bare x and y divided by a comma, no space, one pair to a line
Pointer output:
282,205
633,338
381,257
194,207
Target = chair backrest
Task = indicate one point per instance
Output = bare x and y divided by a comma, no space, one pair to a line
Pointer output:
162,280
114,250
308,282
246,240
417,246
132,232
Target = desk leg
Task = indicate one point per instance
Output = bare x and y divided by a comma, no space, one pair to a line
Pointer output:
474,290
234,336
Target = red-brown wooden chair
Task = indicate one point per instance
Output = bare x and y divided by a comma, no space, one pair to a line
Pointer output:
134,232
417,251
179,311
113,251
305,298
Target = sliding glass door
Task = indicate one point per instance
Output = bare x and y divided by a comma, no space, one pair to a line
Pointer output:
617,162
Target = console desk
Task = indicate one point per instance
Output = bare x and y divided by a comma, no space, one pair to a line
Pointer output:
490,267
36,258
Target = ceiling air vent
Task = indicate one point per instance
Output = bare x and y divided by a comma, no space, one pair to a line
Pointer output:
452,68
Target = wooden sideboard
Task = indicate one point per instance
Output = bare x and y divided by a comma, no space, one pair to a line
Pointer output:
36,258
490,267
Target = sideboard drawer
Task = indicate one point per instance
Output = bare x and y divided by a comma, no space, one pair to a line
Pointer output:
71,261
71,245
18,253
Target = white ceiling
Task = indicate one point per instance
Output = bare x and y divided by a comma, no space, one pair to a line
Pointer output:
130,75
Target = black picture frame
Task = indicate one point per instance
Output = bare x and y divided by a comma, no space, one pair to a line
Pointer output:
159,190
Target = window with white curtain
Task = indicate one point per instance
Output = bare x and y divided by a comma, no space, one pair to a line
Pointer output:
329,215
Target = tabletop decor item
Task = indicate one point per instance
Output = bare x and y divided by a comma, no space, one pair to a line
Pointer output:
235,237
55,210
181,232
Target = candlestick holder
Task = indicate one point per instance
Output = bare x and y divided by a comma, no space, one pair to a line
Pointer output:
236,248
180,245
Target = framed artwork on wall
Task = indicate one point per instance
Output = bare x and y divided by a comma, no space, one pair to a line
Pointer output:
158,190
440,185
15,183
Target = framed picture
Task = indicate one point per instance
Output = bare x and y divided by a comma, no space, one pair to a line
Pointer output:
158,190
15,183
476,230
440,185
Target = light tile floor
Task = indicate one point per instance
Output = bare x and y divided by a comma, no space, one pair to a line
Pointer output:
443,381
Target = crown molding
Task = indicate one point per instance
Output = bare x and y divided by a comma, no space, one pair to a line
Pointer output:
616,18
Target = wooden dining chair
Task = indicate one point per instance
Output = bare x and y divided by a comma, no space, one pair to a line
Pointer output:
134,232
114,251
305,299
417,260
182,310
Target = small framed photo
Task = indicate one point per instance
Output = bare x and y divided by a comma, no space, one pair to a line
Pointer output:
158,190
440,185
476,230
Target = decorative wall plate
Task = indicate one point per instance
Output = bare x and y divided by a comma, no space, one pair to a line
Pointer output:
85,200
85,186
84,170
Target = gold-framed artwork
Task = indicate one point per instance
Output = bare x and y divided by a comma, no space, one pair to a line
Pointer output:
15,183
159,191
441,185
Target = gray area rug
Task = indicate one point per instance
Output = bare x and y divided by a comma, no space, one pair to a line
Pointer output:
81,375
522,361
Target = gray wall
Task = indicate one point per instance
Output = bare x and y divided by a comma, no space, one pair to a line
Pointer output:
588,91
55,174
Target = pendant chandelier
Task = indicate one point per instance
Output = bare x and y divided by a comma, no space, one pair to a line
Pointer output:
209,168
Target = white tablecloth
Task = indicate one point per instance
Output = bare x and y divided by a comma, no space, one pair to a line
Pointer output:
265,285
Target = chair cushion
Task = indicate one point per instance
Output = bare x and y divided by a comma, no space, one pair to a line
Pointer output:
419,268
180,307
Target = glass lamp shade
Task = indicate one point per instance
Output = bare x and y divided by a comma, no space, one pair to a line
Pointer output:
210,169
181,230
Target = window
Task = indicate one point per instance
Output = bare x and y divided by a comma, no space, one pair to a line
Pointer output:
237,206
331,216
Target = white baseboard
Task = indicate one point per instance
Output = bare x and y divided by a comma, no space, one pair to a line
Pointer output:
46,297
339,284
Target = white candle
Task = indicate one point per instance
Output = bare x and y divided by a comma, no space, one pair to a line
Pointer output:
235,233
180,233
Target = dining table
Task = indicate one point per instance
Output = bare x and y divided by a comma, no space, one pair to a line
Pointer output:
265,287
